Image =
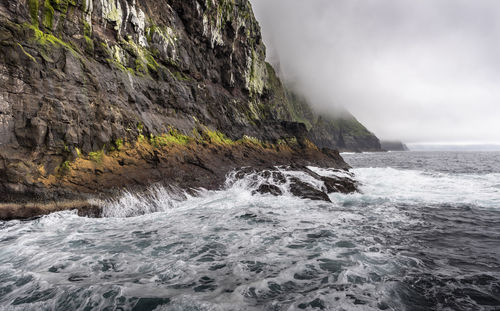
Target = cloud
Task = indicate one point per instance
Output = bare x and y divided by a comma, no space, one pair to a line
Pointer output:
420,71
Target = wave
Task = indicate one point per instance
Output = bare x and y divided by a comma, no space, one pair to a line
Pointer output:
420,187
155,199
377,185
240,186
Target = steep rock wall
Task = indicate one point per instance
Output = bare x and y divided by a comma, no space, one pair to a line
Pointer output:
81,78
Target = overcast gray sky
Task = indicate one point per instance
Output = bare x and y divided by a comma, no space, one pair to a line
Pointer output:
415,70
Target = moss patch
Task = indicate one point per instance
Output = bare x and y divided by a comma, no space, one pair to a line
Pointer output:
65,168
62,5
249,140
46,39
169,139
180,76
96,156
119,144
48,15
216,137
33,8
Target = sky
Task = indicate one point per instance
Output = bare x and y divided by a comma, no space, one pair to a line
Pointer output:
417,71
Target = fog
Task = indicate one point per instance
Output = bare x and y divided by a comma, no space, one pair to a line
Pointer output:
417,71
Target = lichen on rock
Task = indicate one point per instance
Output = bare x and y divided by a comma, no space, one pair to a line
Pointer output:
112,13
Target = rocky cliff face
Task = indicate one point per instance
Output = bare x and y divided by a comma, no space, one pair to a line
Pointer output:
342,132
104,87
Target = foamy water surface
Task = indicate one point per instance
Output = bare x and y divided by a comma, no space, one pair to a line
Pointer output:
423,234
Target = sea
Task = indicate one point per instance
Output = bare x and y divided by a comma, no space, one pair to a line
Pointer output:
423,233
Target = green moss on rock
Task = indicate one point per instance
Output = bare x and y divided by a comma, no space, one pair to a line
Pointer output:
47,39
65,168
27,54
216,137
33,6
96,156
173,138
48,15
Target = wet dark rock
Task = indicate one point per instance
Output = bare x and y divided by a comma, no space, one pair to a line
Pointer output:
279,177
299,188
334,184
305,191
342,185
268,189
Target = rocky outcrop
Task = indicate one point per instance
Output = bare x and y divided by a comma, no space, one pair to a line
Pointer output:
97,95
297,180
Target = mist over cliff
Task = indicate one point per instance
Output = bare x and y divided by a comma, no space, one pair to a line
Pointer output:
409,70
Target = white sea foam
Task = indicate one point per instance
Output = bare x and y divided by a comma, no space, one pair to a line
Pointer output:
418,187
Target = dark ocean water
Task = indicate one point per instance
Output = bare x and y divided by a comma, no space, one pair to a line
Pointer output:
424,234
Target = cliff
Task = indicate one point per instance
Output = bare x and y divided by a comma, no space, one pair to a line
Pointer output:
96,96
339,131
